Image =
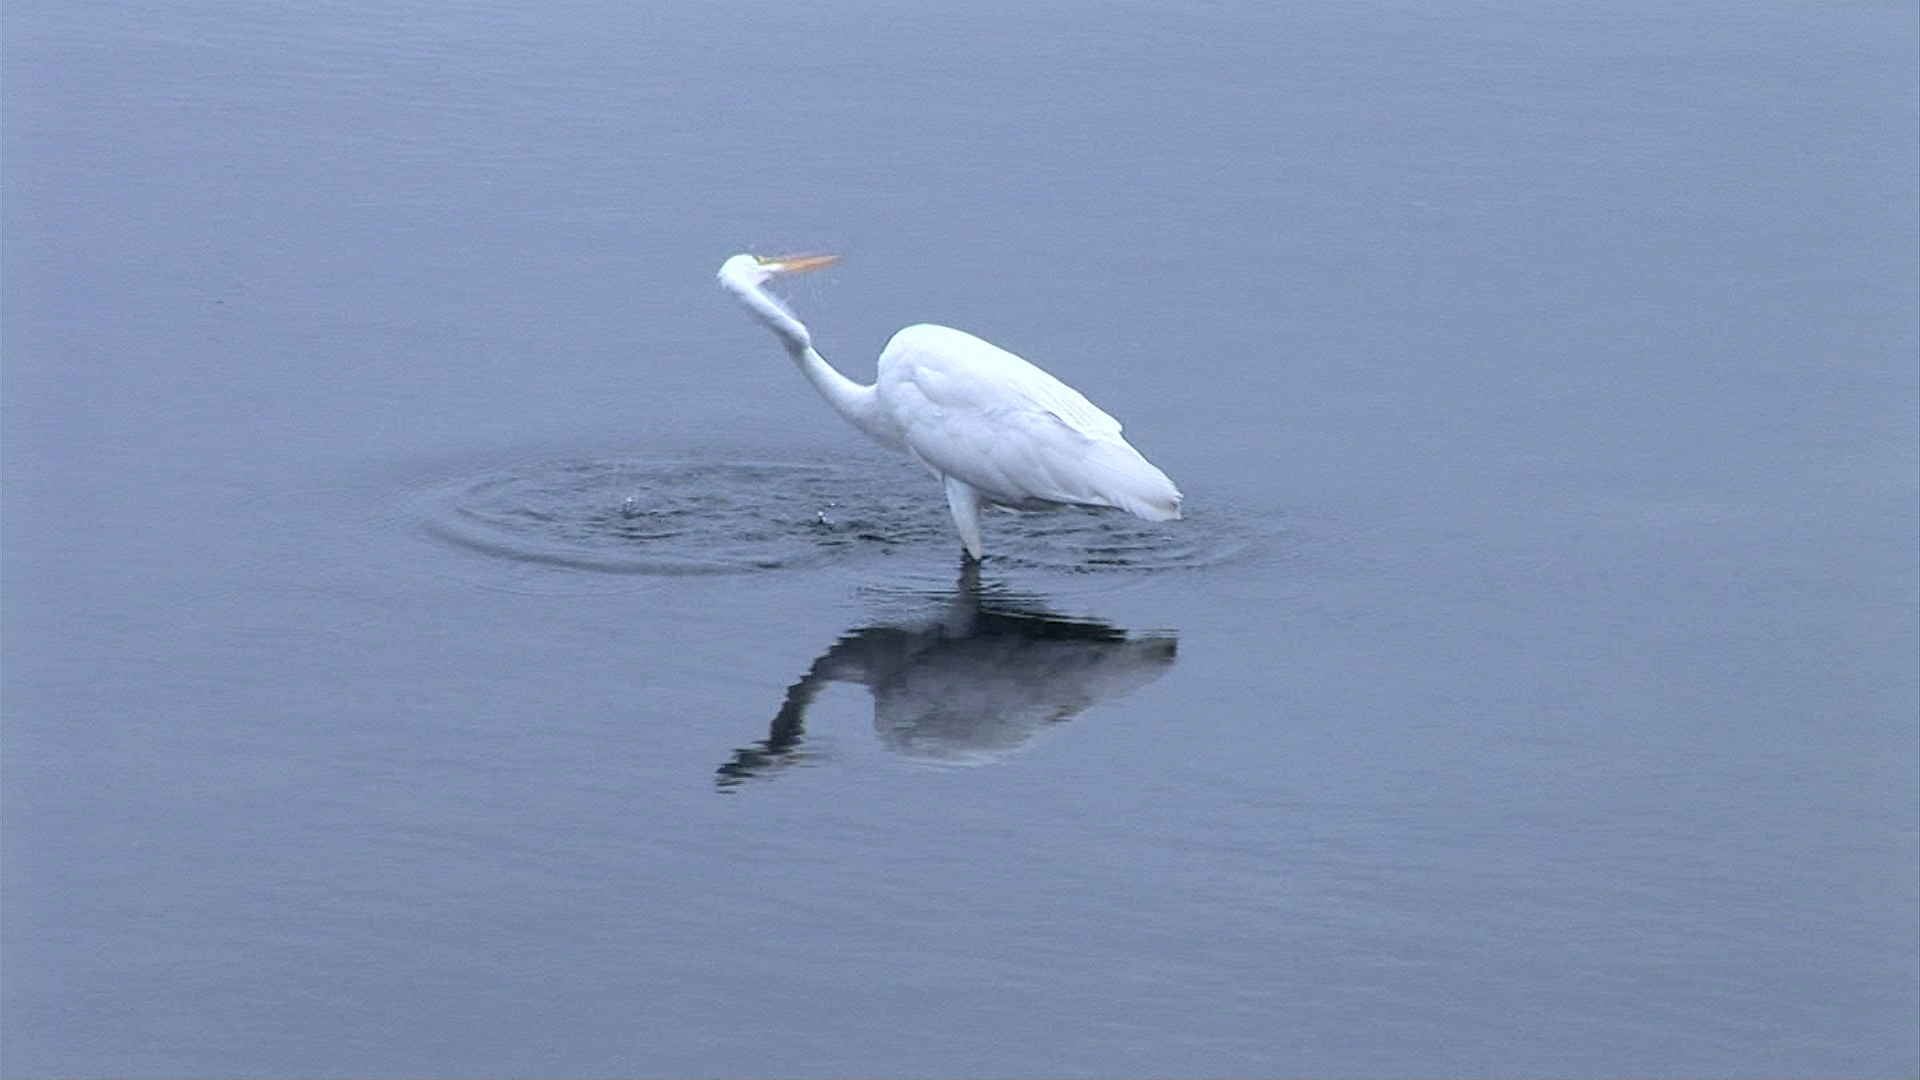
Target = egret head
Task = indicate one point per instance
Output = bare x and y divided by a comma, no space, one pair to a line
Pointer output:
759,269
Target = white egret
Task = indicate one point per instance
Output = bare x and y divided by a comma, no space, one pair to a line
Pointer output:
993,428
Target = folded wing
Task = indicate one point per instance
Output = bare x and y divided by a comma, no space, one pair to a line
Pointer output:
1022,438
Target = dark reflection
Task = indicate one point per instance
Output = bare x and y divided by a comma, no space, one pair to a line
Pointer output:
977,679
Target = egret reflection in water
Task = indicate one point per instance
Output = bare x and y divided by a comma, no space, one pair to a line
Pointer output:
978,679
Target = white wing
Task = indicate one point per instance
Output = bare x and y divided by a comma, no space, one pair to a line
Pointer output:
973,411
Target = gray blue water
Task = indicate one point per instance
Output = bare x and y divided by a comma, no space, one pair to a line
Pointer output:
443,635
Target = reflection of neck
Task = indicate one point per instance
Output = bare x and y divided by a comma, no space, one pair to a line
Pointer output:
789,725
783,735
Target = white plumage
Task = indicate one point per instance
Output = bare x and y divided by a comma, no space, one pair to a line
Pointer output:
995,429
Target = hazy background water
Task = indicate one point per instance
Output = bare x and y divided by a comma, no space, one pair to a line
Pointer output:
1532,690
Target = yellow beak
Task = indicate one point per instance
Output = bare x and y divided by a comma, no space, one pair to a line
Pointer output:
793,264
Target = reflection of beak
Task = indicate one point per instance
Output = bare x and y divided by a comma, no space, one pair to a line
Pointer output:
793,264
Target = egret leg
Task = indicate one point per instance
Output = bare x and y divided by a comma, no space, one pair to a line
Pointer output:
965,504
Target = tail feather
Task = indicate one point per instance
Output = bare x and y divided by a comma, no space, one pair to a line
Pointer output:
1132,483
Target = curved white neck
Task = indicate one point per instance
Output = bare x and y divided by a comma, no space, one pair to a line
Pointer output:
859,404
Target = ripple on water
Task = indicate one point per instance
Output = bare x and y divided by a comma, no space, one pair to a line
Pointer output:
621,515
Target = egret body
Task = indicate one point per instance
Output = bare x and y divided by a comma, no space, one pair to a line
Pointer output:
993,428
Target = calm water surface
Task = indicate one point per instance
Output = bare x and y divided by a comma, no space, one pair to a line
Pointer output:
443,636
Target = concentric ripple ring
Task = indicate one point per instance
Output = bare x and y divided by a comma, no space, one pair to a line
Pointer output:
634,515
